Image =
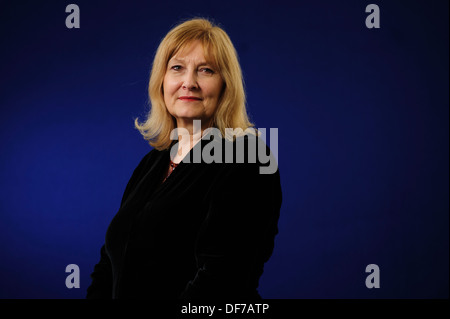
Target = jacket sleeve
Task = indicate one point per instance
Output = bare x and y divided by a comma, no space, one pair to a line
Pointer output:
101,286
237,236
102,278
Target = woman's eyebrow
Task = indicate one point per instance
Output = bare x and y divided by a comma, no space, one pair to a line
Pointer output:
181,60
176,60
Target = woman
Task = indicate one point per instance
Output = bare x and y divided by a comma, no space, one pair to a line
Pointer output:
189,227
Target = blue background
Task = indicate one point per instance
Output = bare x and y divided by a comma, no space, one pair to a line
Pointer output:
363,119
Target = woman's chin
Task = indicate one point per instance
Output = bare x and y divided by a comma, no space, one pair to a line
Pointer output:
189,116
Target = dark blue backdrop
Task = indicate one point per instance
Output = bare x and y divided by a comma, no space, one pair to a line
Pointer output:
363,137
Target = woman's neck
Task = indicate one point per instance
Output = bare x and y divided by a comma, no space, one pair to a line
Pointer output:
185,144
190,134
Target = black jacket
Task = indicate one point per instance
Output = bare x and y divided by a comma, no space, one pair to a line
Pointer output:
205,232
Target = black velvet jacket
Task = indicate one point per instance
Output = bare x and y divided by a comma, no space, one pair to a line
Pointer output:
205,232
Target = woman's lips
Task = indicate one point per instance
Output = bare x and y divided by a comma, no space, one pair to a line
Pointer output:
189,98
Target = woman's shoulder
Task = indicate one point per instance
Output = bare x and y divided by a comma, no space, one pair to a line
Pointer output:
245,160
146,162
252,151
144,165
150,157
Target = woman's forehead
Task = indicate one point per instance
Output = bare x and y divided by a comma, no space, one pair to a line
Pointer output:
201,49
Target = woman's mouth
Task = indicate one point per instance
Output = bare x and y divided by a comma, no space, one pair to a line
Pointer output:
189,98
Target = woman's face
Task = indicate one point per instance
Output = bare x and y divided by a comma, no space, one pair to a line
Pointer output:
191,87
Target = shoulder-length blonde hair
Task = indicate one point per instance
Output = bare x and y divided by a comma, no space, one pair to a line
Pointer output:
220,52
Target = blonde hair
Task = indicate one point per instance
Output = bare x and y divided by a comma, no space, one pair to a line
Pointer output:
220,52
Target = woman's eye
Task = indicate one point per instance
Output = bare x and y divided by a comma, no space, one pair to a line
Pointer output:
176,67
207,70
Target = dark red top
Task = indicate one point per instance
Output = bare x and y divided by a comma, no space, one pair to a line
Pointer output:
172,166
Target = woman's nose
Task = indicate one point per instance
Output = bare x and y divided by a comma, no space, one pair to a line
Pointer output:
190,81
